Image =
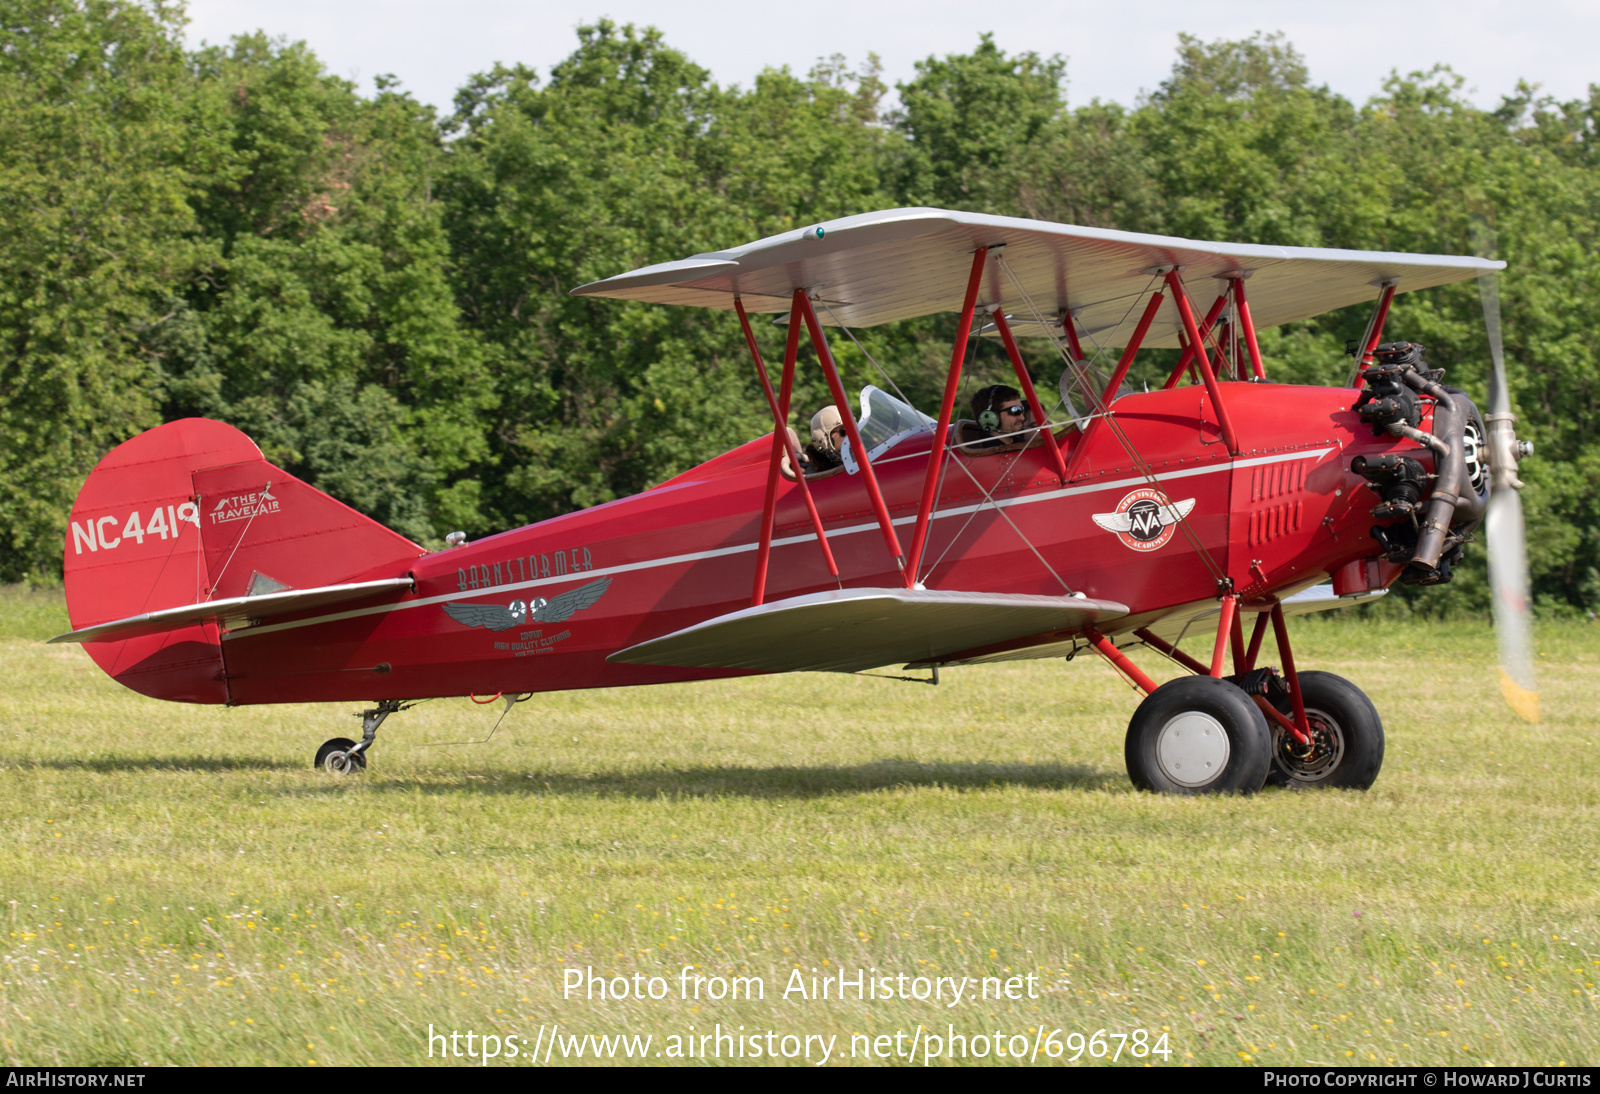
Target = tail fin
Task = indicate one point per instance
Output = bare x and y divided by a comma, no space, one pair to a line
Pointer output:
190,512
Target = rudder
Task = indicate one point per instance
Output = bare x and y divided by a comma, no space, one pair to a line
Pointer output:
191,512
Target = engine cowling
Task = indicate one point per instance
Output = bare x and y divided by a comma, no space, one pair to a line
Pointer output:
1429,516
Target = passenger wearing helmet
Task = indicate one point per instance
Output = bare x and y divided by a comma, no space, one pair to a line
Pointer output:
1002,417
827,435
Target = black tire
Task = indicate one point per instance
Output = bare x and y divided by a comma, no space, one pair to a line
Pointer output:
343,745
1348,738
1231,754
1476,457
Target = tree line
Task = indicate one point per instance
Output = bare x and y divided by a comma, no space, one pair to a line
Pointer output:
377,294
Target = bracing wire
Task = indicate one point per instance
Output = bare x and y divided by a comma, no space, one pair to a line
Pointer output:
1361,347
1139,462
988,494
934,679
1077,368
513,701
217,581
929,568
1104,351
988,497
851,335
1082,377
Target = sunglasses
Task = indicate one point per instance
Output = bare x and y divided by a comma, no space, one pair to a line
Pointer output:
1017,410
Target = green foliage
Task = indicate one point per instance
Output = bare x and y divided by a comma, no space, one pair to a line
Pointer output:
324,324
32,612
380,297
971,122
93,181
629,156
1240,148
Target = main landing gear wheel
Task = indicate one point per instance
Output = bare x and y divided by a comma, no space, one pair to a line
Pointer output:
1346,738
335,757
1198,735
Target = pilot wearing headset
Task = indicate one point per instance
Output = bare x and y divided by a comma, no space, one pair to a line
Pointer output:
1002,416
827,435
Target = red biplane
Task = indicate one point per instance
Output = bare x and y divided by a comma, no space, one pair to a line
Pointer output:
198,572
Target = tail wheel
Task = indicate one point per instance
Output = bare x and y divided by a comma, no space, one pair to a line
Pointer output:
1198,735
335,757
1346,738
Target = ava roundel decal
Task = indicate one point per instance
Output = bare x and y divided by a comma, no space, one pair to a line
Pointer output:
1145,519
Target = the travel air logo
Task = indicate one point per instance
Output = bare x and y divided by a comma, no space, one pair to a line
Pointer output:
244,506
1145,519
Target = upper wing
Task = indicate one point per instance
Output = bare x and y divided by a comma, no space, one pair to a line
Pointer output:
900,263
496,617
558,609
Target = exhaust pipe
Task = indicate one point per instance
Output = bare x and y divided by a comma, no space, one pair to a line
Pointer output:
1450,474
1391,404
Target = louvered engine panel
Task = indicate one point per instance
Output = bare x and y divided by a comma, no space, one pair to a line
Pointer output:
1275,507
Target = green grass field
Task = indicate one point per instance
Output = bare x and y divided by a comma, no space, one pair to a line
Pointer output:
181,887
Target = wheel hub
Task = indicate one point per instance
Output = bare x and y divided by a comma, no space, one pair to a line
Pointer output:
1192,749
340,762
1323,756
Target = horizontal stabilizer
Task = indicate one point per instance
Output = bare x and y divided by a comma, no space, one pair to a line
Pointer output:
847,630
233,611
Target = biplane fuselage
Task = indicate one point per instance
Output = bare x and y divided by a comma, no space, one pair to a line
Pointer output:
1283,514
199,572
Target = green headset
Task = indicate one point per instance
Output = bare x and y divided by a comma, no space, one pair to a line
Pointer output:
989,418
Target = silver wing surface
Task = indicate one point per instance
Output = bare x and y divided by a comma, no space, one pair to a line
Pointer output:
234,611
1194,622
901,263
852,629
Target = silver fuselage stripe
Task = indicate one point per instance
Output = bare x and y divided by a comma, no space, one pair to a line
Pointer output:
785,541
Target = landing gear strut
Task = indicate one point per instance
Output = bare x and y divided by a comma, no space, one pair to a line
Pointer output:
1203,734
342,756
1347,738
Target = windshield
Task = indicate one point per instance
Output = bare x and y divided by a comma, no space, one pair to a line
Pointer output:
885,422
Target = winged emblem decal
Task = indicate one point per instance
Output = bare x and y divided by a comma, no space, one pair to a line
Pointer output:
1145,519
557,609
